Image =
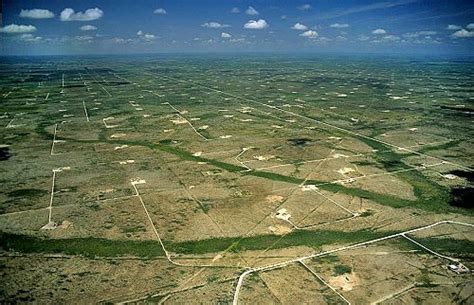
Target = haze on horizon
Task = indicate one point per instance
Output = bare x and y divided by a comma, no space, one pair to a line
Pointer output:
123,27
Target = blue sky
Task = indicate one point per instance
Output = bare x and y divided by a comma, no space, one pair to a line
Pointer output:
143,26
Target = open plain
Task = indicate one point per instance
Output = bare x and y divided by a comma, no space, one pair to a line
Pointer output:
220,179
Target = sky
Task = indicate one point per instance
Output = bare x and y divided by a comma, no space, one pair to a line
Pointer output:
68,27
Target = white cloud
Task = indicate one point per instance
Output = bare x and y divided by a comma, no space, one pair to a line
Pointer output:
15,29
214,25
36,14
225,35
30,38
235,10
120,40
386,39
256,25
147,37
310,34
324,40
26,36
160,11
79,39
379,32
453,27
251,11
68,14
238,40
426,33
470,26
363,37
419,33
426,40
305,7
463,34
339,25
88,27
376,5
299,27
391,38
84,39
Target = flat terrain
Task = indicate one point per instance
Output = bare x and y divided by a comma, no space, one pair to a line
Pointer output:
250,179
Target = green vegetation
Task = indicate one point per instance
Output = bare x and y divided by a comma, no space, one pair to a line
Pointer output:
153,299
104,247
27,193
424,280
234,247
341,269
89,247
134,229
431,196
328,259
460,248
290,111
277,177
314,239
364,163
330,297
447,145
366,213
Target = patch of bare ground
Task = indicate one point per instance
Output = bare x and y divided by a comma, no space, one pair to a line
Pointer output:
45,280
447,231
113,219
384,184
270,256
208,210
374,216
295,285
442,294
309,208
374,273
26,222
212,293
345,282
255,288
